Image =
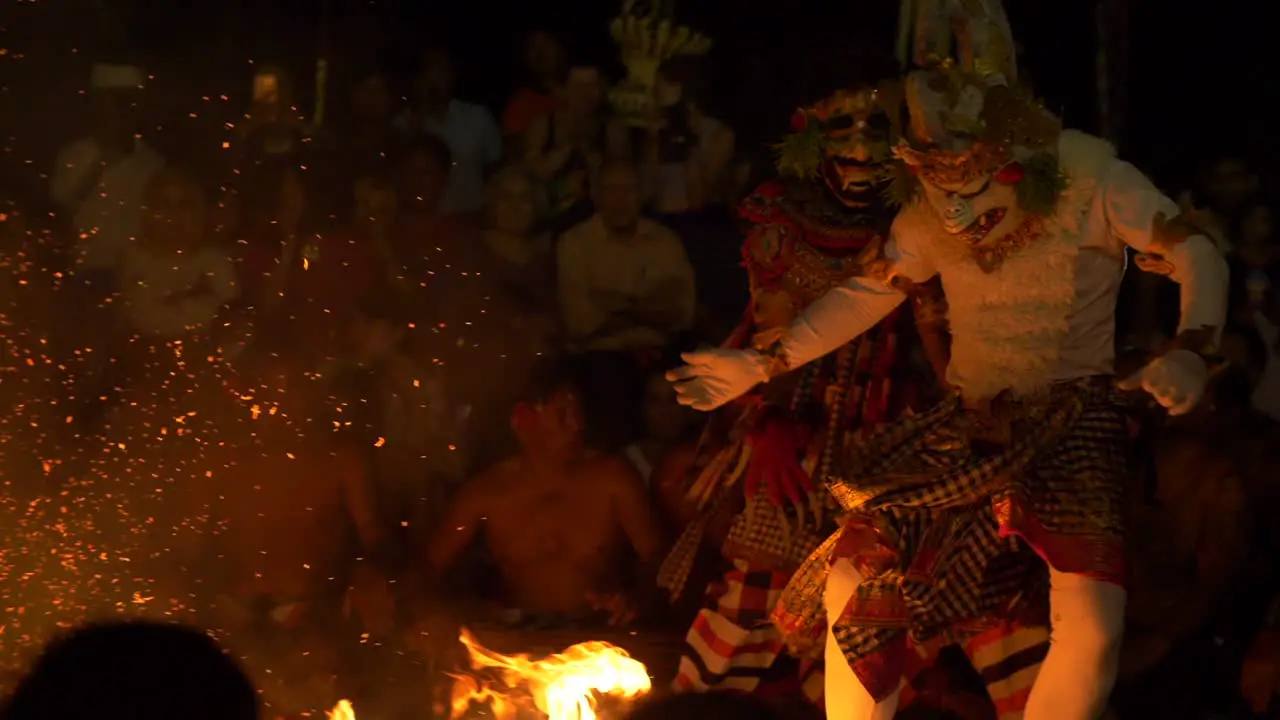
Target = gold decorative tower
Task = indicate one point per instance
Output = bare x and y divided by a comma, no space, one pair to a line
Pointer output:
647,35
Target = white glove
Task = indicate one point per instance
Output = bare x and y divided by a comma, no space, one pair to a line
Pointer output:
717,376
1176,380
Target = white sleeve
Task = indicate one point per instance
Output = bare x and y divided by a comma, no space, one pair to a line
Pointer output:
1139,215
857,305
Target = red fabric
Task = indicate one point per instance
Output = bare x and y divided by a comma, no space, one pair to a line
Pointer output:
524,107
776,447
1100,558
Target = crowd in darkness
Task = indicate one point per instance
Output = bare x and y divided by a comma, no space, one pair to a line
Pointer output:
420,348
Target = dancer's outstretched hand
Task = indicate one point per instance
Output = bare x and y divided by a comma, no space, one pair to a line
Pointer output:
714,377
1176,380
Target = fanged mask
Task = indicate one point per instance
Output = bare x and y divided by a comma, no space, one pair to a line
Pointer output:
857,148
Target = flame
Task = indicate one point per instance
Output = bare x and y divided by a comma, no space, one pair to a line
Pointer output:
342,711
565,686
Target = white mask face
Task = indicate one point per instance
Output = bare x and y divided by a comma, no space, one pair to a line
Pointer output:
959,207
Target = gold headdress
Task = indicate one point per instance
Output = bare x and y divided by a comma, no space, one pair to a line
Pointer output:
968,117
647,35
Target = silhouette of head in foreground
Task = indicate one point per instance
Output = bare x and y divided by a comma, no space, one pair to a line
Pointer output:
704,706
136,670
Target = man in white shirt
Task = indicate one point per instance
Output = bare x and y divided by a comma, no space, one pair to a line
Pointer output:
468,129
100,179
625,282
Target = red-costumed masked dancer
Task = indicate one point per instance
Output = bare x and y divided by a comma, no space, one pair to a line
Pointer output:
811,230
1027,225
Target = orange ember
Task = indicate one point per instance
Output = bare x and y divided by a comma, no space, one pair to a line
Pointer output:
565,686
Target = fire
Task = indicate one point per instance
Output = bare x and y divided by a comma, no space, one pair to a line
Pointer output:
566,686
342,711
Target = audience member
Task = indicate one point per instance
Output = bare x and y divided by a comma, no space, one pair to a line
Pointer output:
136,670
688,151
370,138
667,426
469,131
99,180
284,568
625,282
402,412
626,291
566,147
272,210
330,272
558,516
543,66
521,262
173,279
274,127
1228,184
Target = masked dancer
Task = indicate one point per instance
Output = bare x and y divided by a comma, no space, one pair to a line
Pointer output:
810,230
1027,225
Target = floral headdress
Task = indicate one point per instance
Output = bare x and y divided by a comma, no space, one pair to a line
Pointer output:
800,153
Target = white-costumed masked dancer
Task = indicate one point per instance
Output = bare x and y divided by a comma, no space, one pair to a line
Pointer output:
1027,225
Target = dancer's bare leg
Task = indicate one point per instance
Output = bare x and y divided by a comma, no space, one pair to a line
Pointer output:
846,698
1075,680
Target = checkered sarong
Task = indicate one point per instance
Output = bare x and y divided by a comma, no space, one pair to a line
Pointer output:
732,645
937,513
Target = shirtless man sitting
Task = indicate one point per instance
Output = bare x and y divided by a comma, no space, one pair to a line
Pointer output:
557,517
280,554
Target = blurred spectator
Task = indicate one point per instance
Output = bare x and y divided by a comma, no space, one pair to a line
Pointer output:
142,671
626,291
469,131
99,180
274,127
1254,293
173,279
288,579
543,66
566,147
331,271
404,414
520,262
687,154
688,151
365,142
272,211
428,243
558,516
666,424
625,283
371,138
1229,183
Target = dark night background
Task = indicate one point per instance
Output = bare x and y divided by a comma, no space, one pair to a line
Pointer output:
1198,73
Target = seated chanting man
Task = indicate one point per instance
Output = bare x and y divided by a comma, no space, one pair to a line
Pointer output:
293,545
558,517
